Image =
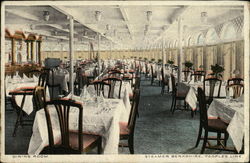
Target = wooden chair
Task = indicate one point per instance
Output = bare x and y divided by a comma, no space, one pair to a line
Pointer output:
23,118
99,88
235,81
177,95
127,129
71,142
212,83
113,82
164,82
153,75
238,89
51,83
186,73
78,83
210,125
197,76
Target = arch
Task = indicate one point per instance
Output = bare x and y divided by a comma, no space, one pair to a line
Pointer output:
228,32
211,36
19,35
189,41
200,39
7,33
31,37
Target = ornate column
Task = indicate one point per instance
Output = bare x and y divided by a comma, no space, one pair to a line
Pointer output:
13,51
39,52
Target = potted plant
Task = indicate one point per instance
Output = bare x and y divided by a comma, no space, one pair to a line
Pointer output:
159,60
170,62
217,70
188,65
152,59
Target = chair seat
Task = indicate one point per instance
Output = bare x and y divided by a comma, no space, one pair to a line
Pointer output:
88,140
217,125
181,94
123,128
59,150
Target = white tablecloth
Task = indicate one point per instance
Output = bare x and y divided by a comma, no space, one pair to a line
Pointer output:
191,97
126,91
233,113
99,119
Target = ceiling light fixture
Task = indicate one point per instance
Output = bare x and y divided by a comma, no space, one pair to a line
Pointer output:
98,15
46,15
204,17
149,15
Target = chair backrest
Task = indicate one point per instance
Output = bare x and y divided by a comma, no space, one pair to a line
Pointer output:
134,110
238,89
99,87
212,83
42,81
152,71
173,84
198,76
113,82
51,82
235,81
137,83
202,107
39,96
63,107
186,73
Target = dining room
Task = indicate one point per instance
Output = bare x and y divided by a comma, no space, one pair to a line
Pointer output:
124,79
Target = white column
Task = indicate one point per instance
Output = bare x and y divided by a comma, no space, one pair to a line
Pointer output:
98,57
110,54
163,52
71,53
180,56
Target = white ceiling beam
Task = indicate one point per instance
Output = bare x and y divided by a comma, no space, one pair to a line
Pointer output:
80,20
23,14
126,19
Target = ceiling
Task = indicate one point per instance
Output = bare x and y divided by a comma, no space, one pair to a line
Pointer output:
126,26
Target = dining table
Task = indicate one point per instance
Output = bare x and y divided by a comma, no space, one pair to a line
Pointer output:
191,97
230,111
101,116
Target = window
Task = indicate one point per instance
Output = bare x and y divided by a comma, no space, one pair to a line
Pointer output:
212,37
228,32
200,40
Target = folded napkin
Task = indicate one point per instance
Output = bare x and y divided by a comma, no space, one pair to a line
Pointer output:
35,78
25,77
192,80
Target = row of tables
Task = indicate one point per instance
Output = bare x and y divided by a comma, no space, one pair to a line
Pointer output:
100,117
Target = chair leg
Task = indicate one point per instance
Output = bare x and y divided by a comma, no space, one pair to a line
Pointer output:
171,109
162,89
131,145
174,106
218,138
99,148
199,136
204,142
152,80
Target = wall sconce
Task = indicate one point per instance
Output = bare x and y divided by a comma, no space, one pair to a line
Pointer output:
46,15
108,27
203,17
149,15
98,15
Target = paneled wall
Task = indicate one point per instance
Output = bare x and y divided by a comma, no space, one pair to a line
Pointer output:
229,55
